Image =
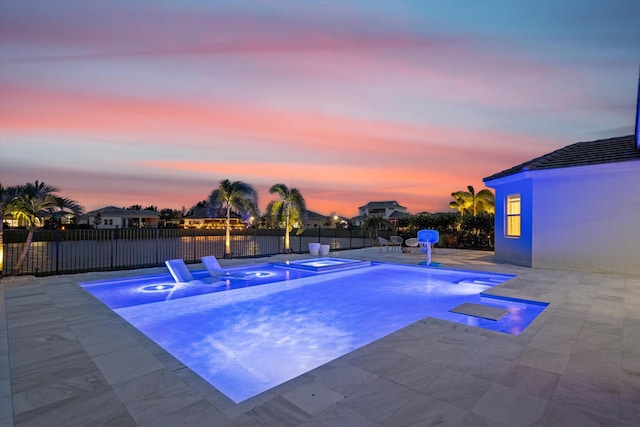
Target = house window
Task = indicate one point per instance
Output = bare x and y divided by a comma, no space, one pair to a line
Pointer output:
513,215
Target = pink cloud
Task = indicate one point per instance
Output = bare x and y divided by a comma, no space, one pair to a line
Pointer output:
39,110
453,70
349,110
420,164
87,31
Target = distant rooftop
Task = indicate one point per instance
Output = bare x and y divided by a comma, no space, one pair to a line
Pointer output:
115,211
611,150
398,214
377,204
311,215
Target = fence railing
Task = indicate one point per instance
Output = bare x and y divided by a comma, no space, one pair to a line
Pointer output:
76,251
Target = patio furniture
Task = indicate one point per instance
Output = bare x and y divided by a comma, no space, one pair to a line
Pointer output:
181,274
412,244
396,242
212,265
179,270
216,271
383,242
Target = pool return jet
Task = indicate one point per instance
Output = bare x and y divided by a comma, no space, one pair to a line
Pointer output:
426,240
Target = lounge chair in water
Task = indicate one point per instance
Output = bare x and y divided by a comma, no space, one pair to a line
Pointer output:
179,271
215,269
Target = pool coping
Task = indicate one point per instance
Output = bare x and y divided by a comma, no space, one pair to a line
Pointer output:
63,358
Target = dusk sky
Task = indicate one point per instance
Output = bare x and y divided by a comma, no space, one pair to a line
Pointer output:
154,102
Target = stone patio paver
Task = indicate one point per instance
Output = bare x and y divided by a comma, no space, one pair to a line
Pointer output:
66,359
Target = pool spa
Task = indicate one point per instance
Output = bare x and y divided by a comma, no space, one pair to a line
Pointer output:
245,336
320,265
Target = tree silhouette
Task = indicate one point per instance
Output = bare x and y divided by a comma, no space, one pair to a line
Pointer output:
237,197
290,209
36,201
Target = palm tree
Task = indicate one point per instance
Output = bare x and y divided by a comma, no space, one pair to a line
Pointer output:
374,224
486,201
7,196
35,201
290,209
468,202
237,197
462,202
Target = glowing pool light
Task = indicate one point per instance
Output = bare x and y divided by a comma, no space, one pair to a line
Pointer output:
161,287
144,290
323,264
250,338
261,274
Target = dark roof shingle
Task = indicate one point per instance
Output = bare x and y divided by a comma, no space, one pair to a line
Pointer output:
611,150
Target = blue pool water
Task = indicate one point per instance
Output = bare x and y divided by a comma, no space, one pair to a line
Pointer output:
247,336
157,288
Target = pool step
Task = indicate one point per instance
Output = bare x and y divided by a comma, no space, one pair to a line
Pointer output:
480,310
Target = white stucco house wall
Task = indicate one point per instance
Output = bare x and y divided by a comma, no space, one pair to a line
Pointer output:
577,208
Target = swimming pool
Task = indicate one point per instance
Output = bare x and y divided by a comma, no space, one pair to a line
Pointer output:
254,336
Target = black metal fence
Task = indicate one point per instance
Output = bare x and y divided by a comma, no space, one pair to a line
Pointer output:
76,251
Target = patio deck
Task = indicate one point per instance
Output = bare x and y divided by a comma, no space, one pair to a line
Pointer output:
66,359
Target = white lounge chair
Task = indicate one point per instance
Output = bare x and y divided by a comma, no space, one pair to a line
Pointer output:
216,271
212,265
179,271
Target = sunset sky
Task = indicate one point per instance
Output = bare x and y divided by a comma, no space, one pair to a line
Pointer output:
154,102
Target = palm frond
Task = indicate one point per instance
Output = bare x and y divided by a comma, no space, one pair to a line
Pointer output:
290,209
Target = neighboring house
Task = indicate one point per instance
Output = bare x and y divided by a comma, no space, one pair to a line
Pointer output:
390,210
112,217
315,220
10,221
395,217
577,208
62,218
202,219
